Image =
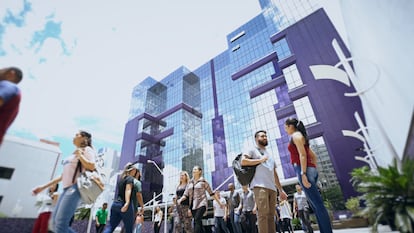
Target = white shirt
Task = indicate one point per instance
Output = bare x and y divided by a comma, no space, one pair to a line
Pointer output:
218,211
45,203
285,211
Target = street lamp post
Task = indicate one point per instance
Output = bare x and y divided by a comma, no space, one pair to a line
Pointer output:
166,206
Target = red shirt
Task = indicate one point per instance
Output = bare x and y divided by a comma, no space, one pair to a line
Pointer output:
294,155
8,113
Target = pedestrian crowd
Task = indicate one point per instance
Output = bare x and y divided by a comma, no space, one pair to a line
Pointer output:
260,207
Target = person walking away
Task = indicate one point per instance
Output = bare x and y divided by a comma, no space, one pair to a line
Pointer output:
301,209
304,160
136,192
84,157
286,216
220,214
265,182
248,207
101,217
10,96
46,204
234,212
196,193
122,207
184,212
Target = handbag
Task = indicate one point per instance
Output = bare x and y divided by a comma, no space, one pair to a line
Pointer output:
89,183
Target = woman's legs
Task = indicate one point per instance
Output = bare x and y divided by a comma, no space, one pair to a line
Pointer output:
42,223
116,217
157,227
128,219
198,215
185,220
315,199
65,208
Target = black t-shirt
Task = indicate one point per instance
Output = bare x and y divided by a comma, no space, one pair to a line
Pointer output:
180,193
121,187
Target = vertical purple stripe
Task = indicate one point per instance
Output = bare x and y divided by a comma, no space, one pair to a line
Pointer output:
213,82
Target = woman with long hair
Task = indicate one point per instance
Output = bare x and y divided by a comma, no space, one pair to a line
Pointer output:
84,156
157,219
122,207
196,193
304,163
184,212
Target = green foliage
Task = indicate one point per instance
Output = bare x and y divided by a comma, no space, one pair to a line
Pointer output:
353,205
82,213
296,224
388,194
333,198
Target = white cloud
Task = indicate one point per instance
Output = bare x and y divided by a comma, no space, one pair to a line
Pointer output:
113,46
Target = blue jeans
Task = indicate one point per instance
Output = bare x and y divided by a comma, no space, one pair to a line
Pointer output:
138,228
235,222
314,198
116,217
219,225
65,209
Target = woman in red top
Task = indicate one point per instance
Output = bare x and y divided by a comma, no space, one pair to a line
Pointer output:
304,163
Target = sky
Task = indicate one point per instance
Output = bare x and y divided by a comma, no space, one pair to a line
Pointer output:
81,59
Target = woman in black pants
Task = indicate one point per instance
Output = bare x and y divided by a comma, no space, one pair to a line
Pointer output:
196,193
157,219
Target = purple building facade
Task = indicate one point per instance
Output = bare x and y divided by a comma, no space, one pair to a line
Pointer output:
203,117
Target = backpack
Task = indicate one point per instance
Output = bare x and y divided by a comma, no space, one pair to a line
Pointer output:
244,174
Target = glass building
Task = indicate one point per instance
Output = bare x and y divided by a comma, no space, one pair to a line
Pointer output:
207,116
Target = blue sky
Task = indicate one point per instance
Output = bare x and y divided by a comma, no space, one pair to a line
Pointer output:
81,59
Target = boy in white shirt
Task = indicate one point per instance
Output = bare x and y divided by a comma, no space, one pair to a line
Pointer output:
220,214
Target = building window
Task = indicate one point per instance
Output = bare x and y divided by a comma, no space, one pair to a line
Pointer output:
327,176
304,110
6,172
282,49
292,77
237,36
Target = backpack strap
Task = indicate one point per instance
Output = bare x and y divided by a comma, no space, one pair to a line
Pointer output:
78,168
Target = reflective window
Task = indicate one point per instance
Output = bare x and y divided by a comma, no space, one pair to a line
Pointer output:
282,49
292,77
304,110
327,176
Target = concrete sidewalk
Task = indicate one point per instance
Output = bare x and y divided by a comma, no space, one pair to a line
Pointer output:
381,229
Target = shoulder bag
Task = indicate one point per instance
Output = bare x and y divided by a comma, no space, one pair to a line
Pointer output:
89,183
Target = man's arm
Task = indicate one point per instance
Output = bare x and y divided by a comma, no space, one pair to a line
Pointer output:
96,218
247,161
282,193
140,201
294,206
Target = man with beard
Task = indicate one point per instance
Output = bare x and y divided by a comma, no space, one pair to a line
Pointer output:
265,182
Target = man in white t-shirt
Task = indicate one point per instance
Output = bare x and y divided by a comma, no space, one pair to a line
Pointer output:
265,182
301,208
220,214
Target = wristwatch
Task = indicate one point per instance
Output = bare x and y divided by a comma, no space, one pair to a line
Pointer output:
302,173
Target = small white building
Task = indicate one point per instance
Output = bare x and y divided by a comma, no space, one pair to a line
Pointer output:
24,164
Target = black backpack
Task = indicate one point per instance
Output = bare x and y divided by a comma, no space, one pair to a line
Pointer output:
244,174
